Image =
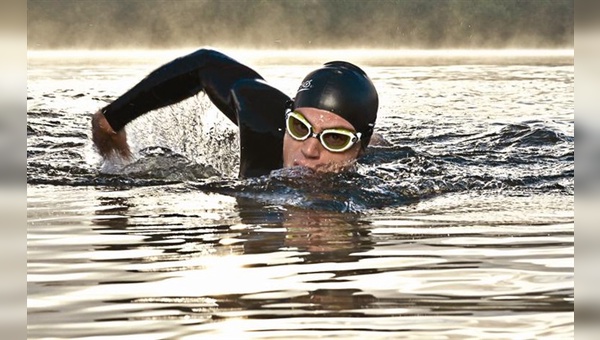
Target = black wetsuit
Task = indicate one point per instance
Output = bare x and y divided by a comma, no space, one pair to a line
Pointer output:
238,91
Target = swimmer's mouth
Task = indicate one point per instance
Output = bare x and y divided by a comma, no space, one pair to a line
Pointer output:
326,167
304,165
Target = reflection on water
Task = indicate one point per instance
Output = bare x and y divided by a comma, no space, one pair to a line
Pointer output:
462,228
143,258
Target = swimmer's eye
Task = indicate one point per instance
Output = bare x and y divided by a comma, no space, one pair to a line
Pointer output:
334,140
297,126
338,140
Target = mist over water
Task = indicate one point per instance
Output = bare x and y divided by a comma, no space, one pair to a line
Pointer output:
300,24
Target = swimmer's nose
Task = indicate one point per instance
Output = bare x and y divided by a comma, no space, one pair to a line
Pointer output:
311,148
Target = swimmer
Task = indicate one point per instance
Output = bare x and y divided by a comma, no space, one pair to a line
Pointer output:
326,126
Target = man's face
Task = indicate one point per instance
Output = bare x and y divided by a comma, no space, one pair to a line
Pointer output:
310,152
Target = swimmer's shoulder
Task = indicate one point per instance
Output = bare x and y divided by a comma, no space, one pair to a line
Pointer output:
377,139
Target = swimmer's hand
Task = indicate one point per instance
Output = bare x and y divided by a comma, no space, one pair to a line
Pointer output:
111,145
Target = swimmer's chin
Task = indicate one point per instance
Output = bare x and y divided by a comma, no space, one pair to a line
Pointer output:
327,167
301,171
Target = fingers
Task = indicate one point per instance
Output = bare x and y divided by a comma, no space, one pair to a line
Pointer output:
110,144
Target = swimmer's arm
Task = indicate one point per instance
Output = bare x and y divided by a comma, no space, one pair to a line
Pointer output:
204,70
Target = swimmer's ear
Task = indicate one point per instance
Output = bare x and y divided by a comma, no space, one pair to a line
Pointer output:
377,139
110,144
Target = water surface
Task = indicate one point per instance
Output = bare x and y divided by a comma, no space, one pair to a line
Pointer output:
463,227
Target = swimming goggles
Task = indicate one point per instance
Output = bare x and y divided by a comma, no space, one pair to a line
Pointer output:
334,140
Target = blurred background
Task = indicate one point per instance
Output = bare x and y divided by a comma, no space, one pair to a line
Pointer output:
389,24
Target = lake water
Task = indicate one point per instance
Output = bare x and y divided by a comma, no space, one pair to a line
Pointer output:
462,228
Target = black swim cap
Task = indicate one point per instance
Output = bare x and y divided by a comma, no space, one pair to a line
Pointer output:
344,89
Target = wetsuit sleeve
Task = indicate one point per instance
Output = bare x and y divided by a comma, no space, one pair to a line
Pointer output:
204,70
237,91
261,118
